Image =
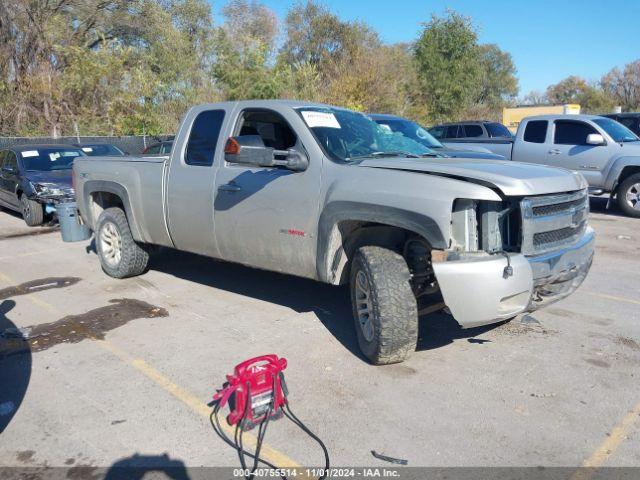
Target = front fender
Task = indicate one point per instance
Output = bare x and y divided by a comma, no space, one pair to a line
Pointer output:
338,211
616,168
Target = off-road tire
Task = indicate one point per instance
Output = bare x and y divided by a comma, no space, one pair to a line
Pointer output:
133,258
32,211
621,195
393,307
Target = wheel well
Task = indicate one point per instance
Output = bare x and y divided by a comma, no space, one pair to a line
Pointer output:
99,201
627,172
349,235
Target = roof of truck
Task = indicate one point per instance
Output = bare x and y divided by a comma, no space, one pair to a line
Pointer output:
266,103
560,116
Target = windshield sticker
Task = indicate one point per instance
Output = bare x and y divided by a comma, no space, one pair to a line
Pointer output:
70,153
87,149
320,119
54,156
30,153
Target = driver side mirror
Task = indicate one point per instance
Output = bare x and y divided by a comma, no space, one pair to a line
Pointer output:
595,139
251,150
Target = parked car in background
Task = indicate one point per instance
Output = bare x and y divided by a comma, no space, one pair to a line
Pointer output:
604,151
103,149
629,120
472,129
160,148
467,134
324,193
419,134
33,178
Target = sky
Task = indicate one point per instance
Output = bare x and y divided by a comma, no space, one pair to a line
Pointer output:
548,40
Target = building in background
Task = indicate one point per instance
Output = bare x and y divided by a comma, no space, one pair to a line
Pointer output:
512,116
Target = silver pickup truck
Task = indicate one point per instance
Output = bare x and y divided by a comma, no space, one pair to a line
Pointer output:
325,193
604,151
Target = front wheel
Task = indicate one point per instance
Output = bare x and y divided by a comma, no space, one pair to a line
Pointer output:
628,195
120,255
32,211
384,307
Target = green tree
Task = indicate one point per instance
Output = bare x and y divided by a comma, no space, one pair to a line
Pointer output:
446,56
497,81
591,97
623,86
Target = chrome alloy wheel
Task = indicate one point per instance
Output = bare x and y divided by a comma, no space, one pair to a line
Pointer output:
363,305
111,244
633,196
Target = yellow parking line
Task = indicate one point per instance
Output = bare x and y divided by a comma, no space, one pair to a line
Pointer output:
194,403
613,297
609,445
189,399
613,441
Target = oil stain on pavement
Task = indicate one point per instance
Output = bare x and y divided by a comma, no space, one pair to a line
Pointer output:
76,328
39,285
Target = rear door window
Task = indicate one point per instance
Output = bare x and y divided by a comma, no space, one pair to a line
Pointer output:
203,139
569,132
536,131
452,132
473,131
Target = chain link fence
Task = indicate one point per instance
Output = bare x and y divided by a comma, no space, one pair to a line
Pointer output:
132,144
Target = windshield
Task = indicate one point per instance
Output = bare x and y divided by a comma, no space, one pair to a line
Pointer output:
102,149
49,159
616,130
348,136
412,130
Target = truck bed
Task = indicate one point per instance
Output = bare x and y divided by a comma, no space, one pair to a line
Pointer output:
141,177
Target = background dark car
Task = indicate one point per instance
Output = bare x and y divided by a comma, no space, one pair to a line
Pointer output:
33,178
470,130
161,148
102,149
416,132
629,120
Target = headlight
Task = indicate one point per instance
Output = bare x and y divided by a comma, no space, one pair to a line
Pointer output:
464,225
479,225
47,189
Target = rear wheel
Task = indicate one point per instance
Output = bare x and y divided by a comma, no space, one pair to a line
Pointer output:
628,195
32,211
120,255
384,306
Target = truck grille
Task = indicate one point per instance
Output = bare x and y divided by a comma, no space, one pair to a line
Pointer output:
554,221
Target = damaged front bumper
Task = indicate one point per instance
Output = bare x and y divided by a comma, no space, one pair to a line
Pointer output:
477,291
50,198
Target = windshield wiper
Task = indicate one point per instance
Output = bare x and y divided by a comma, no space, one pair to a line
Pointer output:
392,153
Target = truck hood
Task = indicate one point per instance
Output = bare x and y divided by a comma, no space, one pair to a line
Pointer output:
512,178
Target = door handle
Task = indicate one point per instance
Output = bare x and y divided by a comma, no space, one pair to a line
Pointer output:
229,187
555,151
